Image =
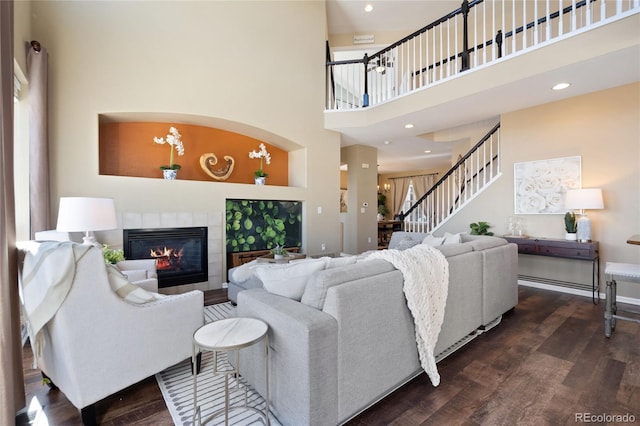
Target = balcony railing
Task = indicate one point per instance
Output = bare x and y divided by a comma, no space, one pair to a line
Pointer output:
474,35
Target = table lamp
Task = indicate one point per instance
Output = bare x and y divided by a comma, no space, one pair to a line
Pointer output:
84,214
584,199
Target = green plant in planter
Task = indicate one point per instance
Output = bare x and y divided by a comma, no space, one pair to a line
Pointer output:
382,204
480,228
112,255
570,224
279,251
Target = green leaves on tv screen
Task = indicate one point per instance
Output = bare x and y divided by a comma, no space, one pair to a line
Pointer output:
262,224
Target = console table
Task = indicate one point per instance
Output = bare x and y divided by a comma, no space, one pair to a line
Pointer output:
564,249
242,257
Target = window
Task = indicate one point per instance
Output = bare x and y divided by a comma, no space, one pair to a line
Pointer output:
410,198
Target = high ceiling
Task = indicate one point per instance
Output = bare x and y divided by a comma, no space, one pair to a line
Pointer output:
516,84
349,16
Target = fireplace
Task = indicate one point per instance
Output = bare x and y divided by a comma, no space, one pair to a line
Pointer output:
180,253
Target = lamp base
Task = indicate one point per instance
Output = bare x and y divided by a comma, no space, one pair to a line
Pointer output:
90,240
584,229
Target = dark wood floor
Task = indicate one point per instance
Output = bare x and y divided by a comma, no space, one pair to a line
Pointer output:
547,362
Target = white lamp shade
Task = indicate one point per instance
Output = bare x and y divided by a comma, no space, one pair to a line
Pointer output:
584,199
84,214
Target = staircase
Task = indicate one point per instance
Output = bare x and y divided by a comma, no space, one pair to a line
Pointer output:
471,175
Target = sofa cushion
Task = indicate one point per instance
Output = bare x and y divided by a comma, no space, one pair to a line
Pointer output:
242,273
398,236
407,242
317,287
450,238
432,241
455,249
289,279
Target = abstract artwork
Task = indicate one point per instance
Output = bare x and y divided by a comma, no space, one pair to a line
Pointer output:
540,186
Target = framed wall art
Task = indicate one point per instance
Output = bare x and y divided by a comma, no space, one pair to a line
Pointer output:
540,186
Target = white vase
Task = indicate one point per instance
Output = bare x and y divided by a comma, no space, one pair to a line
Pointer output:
260,180
169,174
570,236
278,256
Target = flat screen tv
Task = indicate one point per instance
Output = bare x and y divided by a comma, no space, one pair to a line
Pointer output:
262,224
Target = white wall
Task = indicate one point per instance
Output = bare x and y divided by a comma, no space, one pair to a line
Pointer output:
258,64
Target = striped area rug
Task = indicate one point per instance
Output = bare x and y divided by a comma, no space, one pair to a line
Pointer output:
176,384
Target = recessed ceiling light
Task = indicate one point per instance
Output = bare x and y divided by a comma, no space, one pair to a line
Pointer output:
408,126
368,8
428,151
387,142
560,86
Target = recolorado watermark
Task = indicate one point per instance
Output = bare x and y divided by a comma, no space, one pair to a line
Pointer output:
604,418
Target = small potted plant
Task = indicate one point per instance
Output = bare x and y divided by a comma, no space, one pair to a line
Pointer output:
112,256
173,140
259,175
279,252
382,206
571,226
480,228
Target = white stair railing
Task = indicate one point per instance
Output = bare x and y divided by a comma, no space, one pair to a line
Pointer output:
471,175
443,49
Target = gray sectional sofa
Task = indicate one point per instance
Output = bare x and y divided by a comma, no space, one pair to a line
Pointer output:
350,341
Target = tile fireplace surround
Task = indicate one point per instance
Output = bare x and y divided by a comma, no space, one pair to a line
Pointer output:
215,240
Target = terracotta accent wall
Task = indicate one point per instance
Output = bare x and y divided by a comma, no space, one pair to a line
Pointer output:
128,149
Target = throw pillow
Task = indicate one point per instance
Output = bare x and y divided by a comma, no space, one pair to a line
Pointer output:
432,241
289,279
407,242
129,292
452,238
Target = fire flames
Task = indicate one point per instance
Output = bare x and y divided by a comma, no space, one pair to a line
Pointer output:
167,258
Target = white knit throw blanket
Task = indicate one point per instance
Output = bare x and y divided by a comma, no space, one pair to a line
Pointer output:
47,276
426,284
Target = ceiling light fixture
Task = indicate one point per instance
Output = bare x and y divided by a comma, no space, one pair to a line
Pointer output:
408,126
428,151
387,142
368,8
560,86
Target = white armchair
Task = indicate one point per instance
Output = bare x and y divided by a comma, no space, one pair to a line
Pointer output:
97,344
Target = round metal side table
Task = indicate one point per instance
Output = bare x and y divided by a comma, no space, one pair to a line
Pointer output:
231,334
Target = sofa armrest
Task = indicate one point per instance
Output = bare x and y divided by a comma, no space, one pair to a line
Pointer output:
500,281
303,358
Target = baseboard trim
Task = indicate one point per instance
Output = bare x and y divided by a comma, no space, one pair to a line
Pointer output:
577,292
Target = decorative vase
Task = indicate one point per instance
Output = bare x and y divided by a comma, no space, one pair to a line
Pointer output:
570,236
277,256
169,174
260,180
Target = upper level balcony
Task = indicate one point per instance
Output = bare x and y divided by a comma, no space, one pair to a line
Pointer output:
484,59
